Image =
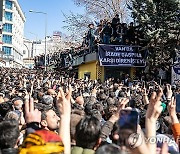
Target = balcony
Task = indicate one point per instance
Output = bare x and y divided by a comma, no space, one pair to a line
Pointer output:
6,57
85,58
113,55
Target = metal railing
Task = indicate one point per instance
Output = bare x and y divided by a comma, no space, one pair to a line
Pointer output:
6,57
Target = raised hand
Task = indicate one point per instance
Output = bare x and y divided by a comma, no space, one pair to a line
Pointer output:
64,105
153,112
154,107
169,92
145,97
63,102
31,114
172,107
172,111
121,106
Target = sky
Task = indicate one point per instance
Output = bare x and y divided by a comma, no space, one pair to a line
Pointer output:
35,23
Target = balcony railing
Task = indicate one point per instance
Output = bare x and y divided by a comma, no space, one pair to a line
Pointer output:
6,57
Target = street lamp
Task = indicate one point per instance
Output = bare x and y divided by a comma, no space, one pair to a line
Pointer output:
39,12
33,54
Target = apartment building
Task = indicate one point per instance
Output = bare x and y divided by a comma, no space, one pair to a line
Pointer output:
13,20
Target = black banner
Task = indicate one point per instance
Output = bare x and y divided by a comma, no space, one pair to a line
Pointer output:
120,55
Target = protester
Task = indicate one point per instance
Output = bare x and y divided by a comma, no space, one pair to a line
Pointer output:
70,115
107,33
91,36
9,136
85,118
103,32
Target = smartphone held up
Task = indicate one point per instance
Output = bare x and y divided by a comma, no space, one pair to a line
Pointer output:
129,119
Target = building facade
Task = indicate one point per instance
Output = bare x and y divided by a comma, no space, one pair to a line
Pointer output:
109,61
34,48
2,62
28,61
13,20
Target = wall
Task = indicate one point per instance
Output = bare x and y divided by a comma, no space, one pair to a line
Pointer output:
100,72
88,67
18,33
133,73
27,49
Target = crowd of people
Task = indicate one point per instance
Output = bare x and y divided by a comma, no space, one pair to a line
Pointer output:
105,32
53,112
60,59
113,32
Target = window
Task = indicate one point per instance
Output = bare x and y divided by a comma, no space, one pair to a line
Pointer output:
8,4
8,16
87,75
7,28
7,39
6,50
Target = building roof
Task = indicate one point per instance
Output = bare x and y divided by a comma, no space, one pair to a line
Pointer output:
19,10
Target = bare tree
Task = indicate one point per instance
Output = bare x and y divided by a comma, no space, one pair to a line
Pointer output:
105,9
77,25
58,45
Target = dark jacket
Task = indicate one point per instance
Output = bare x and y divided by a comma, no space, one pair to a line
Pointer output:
115,21
107,30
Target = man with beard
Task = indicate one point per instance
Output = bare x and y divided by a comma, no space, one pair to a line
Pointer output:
49,119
